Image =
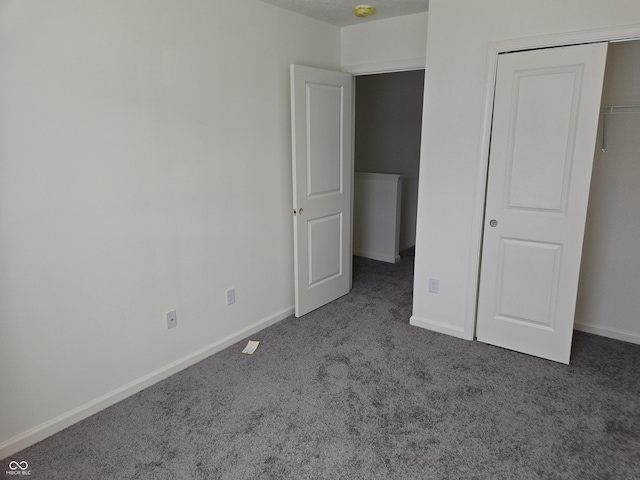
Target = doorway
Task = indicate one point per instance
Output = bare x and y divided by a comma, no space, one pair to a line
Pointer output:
388,126
322,172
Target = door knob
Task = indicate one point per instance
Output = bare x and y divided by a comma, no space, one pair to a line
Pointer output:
493,223
300,211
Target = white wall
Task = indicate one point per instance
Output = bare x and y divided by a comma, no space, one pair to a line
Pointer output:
455,126
145,165
391,44
608,302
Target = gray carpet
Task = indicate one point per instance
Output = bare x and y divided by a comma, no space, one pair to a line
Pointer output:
352,391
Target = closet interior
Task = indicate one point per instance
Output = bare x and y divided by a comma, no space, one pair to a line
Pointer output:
608,302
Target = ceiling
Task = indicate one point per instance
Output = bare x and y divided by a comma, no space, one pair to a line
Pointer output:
340,12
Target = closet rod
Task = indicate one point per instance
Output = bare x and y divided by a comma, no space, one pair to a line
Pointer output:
615,110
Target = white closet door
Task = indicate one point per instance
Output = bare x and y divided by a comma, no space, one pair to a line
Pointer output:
545,120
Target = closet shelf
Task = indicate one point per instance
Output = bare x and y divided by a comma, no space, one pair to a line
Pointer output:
615,110
618,109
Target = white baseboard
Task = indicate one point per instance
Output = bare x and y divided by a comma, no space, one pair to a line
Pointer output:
55,425
608,332
439,327
378,256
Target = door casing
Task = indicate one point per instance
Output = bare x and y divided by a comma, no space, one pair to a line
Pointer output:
493,50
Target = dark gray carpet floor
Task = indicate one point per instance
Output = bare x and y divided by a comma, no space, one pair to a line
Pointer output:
352,391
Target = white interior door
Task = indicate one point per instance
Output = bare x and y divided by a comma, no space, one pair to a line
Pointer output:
545,119
321,111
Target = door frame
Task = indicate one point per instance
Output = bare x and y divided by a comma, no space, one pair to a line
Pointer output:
493,50
410,65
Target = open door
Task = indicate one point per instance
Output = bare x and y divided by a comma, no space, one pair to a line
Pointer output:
545,120
321,123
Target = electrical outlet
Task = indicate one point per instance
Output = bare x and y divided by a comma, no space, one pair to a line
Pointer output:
231,296
172,319
434,285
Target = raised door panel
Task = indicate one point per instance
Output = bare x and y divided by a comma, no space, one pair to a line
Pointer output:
325,249
528,280
324,158
540,163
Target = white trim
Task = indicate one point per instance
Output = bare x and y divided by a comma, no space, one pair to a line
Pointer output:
50,427
493,50
439,327
389,66
626,32
608,332
481,188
